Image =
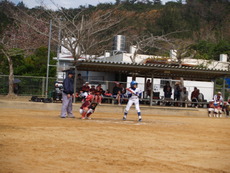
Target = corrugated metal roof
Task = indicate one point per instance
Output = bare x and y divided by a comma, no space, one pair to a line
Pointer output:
158,70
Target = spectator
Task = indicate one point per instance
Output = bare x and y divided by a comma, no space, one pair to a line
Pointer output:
194,96
201,99
67,96
167,93
184,96
117,92
226,108
211,109
148,87
16,88
57,94
98,94
167,90
218,98
218,109
123,92
177,91
107,93
86,88
79,82
92,89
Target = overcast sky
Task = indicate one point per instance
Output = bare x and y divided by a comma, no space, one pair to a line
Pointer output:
66,3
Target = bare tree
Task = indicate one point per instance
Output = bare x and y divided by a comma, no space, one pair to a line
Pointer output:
17,40
163,43
183,49
82,32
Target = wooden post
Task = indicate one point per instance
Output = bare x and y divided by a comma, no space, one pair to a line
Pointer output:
223,89
214,89
145,89
151,94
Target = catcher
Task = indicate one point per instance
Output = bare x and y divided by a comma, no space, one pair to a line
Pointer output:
133,94
88,107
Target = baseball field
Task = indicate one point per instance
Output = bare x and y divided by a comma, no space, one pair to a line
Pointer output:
38,141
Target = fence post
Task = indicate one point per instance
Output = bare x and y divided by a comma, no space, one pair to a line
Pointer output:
151,94
43,86
223,88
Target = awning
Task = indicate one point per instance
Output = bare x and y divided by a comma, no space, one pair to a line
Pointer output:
158,70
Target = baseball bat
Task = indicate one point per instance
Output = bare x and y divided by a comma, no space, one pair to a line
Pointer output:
128,89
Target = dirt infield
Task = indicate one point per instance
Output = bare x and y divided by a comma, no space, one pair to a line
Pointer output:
41,142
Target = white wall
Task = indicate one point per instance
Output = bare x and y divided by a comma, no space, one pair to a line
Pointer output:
205,88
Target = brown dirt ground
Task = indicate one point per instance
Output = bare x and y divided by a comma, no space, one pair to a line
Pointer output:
41,142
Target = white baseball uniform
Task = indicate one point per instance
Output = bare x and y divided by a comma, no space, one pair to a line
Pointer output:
133,99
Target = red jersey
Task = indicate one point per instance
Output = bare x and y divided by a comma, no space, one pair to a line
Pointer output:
98,91
85,88
85,104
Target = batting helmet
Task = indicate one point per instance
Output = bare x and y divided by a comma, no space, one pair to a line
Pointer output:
133,83
215,104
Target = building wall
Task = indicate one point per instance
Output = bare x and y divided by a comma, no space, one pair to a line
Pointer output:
206,88
207,63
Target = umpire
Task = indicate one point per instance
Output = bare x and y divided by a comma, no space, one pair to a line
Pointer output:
67,96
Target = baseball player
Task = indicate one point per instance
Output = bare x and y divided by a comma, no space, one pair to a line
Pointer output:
133,94
88,107
211,109
217,109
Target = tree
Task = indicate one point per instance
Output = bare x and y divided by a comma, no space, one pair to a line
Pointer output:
211,51
82,33
164,43
183,49
16,40
208,19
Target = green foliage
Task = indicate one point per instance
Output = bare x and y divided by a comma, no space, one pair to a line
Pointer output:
36,64
208,50
33,65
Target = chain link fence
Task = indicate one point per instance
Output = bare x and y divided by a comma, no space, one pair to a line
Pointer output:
27,85
35,86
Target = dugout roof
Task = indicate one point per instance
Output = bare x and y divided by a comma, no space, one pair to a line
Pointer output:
158,70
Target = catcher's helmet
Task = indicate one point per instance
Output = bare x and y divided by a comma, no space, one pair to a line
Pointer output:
133,83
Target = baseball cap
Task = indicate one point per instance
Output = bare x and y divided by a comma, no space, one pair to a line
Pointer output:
70,72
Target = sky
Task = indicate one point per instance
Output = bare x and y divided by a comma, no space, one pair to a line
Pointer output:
66,3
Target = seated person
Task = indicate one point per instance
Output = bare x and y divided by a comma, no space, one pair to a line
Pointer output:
194,96
117,92
122,94
107,93
218,98
92,89
226,108
85,87
211,108
98,94
217,109
118,97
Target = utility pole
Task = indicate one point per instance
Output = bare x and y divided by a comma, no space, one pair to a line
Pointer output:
58,48
48,60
